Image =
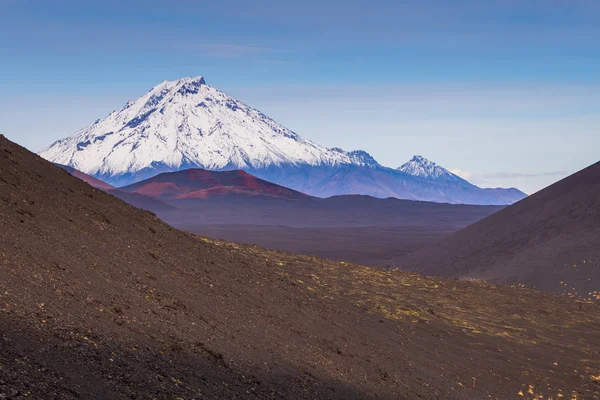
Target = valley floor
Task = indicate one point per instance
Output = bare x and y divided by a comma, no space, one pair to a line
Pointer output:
376,246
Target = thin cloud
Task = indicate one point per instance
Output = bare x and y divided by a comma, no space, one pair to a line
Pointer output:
514,175
463,174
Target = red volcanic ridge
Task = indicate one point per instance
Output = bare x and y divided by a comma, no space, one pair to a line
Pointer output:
203,184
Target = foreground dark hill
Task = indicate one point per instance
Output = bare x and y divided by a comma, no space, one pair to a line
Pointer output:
97,183
550,241
100,300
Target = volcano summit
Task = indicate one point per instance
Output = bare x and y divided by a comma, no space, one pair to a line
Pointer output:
188,124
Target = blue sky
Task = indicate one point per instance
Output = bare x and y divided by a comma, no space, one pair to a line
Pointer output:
506,92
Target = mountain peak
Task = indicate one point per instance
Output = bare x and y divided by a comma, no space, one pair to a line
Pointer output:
424,168
418,159
198,80
358,157
190,80
187,123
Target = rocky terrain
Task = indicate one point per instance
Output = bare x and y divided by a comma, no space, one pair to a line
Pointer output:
100,300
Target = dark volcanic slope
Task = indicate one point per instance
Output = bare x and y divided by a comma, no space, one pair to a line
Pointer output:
100,300
97,183
135,199
142,201
551,241
202,184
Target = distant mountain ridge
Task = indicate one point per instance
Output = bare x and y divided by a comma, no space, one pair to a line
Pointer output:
186,124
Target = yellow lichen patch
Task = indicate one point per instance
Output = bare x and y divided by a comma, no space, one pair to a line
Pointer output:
409,313
397,313
90,341
176,381
150,295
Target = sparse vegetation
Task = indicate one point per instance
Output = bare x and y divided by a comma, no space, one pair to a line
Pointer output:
89,311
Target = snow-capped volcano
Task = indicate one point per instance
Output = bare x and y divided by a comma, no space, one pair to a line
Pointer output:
189,123
423,168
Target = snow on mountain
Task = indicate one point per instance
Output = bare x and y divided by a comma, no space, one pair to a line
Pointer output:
189,123
186,124
423,168
357,157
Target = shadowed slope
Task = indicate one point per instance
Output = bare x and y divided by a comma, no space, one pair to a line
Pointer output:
101,300
358,229
550,240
